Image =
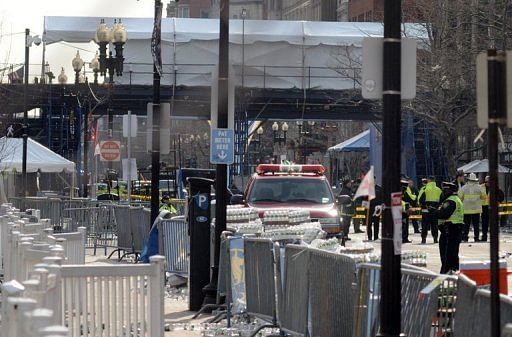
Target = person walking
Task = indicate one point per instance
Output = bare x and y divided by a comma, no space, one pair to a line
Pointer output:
451,214
429,199
472,196
373,223
485,206
407,199
413,192
347,209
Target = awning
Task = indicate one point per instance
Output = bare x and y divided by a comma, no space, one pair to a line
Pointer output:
39,157
358,143
481,166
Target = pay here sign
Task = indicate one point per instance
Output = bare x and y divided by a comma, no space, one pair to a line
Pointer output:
222,146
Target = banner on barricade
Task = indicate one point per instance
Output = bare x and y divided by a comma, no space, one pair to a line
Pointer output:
236,253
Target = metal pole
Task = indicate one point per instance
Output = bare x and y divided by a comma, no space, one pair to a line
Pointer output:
390,307
87,137
25,116
221,192
129,157
155,154
497,105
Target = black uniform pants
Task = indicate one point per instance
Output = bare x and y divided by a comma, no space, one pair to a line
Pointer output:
345,224
428,222
372,228
405,227
449,243
471,219
485,222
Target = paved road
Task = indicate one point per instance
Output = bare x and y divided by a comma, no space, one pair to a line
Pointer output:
468,251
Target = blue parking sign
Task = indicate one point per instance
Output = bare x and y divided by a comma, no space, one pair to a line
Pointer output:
222,149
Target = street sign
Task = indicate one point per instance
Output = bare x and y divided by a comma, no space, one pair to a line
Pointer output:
482,100
130,126
110,150
222,149
165,128
14,130
373,68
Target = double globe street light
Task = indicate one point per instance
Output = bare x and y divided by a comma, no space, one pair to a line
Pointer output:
118,36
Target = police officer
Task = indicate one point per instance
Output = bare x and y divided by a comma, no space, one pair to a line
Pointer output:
166,204
407,199
451,214
413,191
429,199
347,208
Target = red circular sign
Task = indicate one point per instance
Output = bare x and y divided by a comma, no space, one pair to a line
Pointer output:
110,150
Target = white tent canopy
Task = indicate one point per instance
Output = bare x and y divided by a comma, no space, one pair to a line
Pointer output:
273,54
39,157
481,166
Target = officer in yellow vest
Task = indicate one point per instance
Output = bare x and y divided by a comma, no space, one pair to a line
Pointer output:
429,199
166,204
451,214
472,196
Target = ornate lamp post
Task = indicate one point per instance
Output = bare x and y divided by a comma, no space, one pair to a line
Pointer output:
62,78
95,66
77,64
280,138
118,36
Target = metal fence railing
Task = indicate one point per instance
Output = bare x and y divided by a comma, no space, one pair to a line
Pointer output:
174,244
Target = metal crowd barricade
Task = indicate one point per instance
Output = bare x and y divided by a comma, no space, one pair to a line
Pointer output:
464,306
331,276
140,226
112,301
293,313
260,281
419,307
122,214
174,244
99,222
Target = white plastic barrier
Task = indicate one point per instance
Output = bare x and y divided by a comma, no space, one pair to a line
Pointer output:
118,300
73,244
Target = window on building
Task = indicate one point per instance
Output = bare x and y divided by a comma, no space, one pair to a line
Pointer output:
204,13
184,12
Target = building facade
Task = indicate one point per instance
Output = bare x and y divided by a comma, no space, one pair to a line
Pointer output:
310,10
189,9
373,11
254,9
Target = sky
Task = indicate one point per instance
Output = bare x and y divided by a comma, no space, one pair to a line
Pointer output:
15,16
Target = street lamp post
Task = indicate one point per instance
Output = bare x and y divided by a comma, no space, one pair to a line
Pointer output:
118,36
279,138
62,78
28,43
77,64
243,14
95,66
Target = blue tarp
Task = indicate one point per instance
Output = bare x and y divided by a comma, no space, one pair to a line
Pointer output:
360,142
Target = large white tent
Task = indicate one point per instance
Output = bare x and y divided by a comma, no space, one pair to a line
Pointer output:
39,157
273,54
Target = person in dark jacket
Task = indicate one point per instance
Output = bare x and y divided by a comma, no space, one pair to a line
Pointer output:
372,224
451,221
347,208
408,199
460,180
